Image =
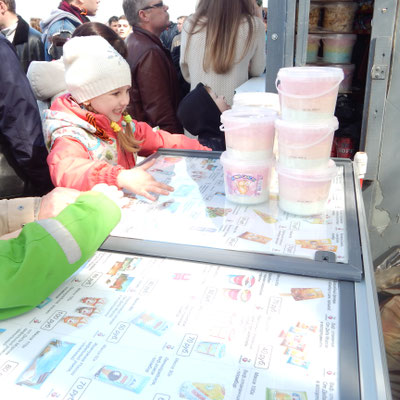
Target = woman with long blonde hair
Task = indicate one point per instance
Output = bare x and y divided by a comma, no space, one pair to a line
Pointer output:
223,45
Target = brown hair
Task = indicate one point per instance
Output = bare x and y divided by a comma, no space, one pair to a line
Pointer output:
103,30
221,20
10,5
127,140
35,24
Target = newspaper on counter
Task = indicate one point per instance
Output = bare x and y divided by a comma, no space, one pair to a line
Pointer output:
129,327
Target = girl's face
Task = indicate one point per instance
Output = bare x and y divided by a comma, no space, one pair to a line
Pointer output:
112,104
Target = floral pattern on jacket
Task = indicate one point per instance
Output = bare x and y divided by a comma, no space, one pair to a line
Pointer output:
78,160
58,124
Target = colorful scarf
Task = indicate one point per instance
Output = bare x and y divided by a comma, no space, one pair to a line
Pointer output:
65,6
103,125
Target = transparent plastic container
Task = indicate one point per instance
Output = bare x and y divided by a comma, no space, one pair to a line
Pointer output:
305,146
256,99
314,16
246,182
338,47
348,71
305,191
313,45
339,16
249,132
308,94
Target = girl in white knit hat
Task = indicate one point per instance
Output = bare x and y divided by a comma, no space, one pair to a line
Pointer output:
91,138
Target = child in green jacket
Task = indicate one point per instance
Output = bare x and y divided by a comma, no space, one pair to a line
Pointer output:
48,251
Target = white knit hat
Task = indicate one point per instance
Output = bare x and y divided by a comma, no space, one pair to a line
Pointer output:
93,67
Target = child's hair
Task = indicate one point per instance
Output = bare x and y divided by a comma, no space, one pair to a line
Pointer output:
127,139
92,68
97,28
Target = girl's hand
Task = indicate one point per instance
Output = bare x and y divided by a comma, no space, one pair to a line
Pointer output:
139,181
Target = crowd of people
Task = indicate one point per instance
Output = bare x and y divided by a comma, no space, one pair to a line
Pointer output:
87,99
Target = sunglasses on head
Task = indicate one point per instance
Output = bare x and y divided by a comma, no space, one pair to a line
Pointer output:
158,5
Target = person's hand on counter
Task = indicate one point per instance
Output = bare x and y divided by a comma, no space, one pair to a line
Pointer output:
140,182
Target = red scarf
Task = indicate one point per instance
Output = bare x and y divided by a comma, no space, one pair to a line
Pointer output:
65,6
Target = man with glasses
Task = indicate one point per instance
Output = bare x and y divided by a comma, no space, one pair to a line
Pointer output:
155,93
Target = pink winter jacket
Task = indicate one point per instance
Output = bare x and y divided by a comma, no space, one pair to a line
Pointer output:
78,159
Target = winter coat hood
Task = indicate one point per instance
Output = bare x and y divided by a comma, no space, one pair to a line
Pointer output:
47,79
55,16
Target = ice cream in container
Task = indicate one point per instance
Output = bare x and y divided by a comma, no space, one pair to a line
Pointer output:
246,182
249,132
305,191
303,145
308,94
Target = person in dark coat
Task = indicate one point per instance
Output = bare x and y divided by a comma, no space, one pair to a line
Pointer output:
22,150
168,34
200,114
26,40
155,92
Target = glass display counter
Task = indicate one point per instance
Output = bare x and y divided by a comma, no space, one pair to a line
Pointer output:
196,222
154,316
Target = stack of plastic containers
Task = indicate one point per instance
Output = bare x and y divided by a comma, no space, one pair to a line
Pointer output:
331,39
305,133
248,159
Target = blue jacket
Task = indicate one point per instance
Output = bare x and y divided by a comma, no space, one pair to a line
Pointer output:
21,138
57,29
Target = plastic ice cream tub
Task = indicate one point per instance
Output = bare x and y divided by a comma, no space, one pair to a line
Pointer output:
339,16
246,182
256,99
348,70
313,44
249,132
338,47
305,146
314,15
308,94
305,191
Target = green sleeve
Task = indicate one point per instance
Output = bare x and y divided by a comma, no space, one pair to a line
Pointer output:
47,252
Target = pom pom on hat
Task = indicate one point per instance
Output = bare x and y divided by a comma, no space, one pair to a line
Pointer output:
93,67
